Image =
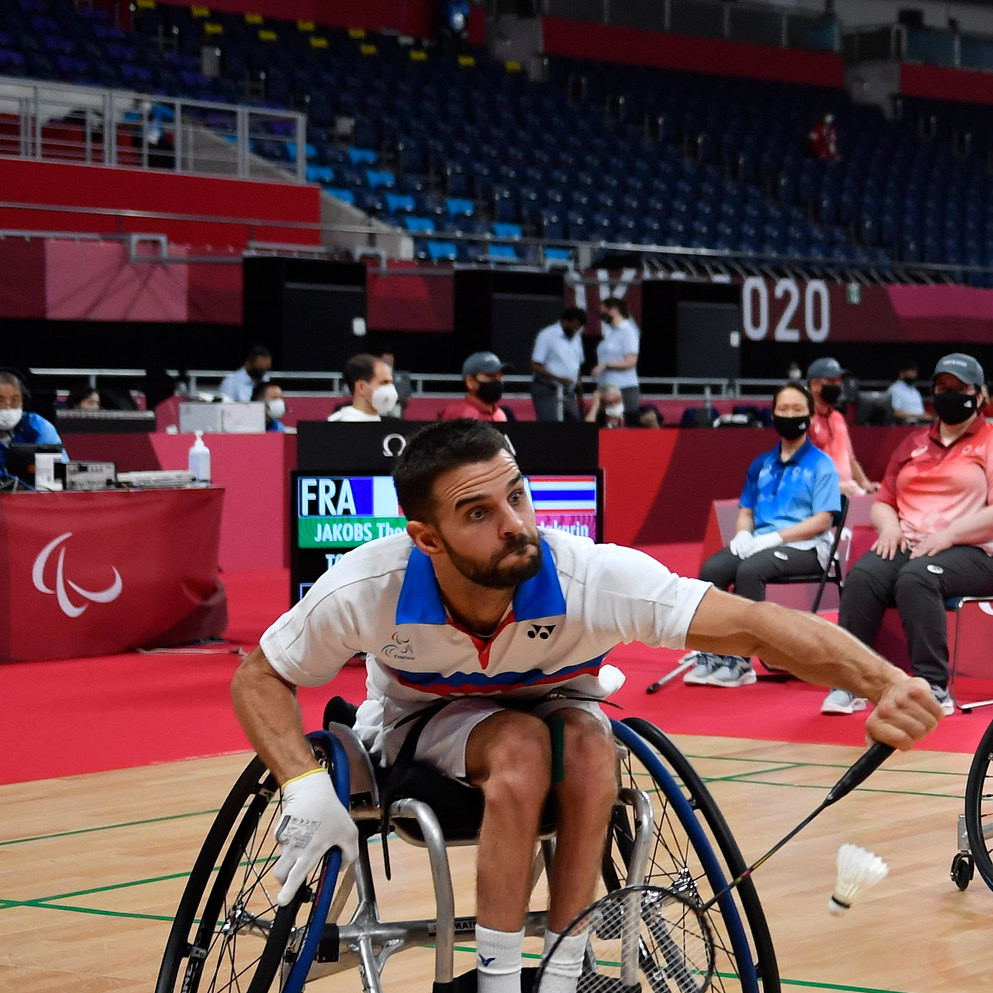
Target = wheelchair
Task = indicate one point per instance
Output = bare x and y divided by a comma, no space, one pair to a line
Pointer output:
228,934
975,826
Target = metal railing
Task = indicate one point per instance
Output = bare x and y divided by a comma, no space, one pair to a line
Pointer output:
927,46
746,22
61,122
203,383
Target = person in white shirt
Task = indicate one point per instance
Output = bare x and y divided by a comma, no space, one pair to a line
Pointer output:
239,385
447,616
370,381
617,353
556,359
905,398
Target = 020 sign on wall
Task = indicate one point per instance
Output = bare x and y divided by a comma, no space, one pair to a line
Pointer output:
789,309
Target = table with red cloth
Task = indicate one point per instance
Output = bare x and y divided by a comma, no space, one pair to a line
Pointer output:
97,573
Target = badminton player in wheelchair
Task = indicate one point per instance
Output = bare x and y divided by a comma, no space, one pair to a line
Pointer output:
486,637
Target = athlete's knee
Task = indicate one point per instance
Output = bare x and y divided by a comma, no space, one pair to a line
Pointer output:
588,761
518,761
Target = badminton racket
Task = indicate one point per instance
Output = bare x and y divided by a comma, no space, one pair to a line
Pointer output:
662,934
637,933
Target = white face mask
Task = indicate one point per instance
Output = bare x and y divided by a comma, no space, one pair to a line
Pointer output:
10,418
384,398
276,408
614,410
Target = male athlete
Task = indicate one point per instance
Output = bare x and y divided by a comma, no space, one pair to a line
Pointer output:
456,609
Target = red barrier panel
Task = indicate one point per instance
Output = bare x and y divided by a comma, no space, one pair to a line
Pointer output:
100,573
582,40
221,210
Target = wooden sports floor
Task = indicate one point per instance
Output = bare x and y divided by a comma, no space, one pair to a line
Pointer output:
92,866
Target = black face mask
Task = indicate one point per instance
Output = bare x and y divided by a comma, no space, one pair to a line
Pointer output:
256,374
790,428
490,391
954,408
830,393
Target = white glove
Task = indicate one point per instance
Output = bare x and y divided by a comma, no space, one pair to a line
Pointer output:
313,821
763,541
741,544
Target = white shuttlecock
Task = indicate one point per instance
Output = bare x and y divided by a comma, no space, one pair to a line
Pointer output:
858,870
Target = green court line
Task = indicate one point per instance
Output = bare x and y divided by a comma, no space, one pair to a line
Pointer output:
801,764
42,905
107,889
107,827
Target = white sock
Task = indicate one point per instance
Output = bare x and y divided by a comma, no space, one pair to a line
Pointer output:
562,972
498,960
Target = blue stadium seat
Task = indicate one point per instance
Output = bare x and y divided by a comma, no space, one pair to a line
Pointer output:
418,224
505,230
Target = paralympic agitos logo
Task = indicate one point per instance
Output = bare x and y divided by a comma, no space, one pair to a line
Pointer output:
62,585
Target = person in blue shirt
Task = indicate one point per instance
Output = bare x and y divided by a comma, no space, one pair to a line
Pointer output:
791,496
271,394
18,426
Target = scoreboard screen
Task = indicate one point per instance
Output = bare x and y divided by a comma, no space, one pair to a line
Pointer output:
332,513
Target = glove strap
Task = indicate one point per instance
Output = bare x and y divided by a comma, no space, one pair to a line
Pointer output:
303,775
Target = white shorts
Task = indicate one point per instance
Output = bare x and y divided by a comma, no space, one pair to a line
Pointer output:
443,739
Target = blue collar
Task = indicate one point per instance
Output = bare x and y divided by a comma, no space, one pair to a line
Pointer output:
420,598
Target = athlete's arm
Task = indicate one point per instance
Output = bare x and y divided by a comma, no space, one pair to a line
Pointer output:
266,706
818,652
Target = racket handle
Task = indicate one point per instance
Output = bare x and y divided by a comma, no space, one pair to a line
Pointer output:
860,771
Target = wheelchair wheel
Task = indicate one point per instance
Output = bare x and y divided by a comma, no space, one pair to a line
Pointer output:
979,807
695,854
228,933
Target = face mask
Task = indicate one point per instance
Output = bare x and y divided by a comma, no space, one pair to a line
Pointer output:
909,379
614,410
10,418
384,398
830,392
794,375
954,408
276,409
790,428
490,391
257,375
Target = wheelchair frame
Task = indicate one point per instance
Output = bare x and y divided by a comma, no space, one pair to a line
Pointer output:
975,825
229,935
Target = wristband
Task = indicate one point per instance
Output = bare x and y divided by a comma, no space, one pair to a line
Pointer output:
303,775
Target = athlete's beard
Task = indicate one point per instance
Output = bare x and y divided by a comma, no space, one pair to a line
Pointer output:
492,574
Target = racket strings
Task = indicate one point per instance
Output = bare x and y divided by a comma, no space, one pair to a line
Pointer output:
645,938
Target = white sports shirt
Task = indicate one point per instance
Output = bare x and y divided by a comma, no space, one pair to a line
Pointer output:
382,599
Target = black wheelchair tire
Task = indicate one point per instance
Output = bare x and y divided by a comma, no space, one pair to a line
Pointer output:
761,970
244,820
979,805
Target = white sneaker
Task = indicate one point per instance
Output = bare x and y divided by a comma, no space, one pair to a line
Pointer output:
944,699
706,665
842,702
735,670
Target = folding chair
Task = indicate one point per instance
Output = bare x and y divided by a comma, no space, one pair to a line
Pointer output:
834,569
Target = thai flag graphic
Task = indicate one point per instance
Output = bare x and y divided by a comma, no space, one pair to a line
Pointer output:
563,494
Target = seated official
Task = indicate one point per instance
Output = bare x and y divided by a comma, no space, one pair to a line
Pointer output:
606,410
17,425
370,381
271,394
933,517
482,373
790,499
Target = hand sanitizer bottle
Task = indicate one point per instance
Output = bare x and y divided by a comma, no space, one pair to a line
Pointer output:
200,460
